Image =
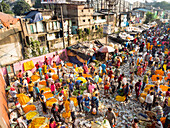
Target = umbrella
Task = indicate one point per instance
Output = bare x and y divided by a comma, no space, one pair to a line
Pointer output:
106,49
29,73
82,79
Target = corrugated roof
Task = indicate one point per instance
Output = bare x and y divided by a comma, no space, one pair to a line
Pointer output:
7,19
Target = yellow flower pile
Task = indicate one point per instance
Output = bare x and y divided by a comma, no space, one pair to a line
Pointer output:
54,77
50,102
164,87
35,77
154,77
52,70
66,114
75,101
120,98
31,114
66,105
23,99
46,89
159,72
48,95
37,122
69,64
143,95
42,82
29,108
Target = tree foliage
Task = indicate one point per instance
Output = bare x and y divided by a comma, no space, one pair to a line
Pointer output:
163,5
149,17
20,7
5,8
38,4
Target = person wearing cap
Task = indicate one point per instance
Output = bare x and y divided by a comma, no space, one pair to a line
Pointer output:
13,93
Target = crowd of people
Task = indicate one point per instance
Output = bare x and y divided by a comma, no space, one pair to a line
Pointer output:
148,59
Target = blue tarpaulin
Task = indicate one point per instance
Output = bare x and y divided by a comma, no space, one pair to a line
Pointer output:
34,16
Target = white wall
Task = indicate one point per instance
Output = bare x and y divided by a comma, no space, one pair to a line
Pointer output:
10,53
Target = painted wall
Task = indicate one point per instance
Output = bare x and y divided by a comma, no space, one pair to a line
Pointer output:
4,120
61,54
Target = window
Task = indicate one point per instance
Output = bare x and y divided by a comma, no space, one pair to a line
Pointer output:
103,17
32,29
89,20
81,10
84,20
89,10
73,23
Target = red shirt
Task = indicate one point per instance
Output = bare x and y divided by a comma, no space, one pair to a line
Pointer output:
28,79
36,65
46,77
110,73
47,62
167,93
19,75
120,78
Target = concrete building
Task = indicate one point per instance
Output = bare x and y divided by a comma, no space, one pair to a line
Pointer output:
10,40
138,4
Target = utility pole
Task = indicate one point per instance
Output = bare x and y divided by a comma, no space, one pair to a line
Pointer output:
62,22
68,32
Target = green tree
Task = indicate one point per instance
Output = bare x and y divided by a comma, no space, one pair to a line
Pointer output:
5,8
20,7
38,4
163,5
149,17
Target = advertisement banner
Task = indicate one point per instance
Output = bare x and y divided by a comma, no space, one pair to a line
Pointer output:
107,29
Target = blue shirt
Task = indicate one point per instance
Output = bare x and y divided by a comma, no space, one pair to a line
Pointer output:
95,101
71,86
86,101
40,70
79,99
37,90
103,66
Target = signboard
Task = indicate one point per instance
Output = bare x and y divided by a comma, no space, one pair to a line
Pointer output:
107,29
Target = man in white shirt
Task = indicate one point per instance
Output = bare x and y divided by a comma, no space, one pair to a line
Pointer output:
72,109
60,102
16,83
25,84
50,80
149,101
